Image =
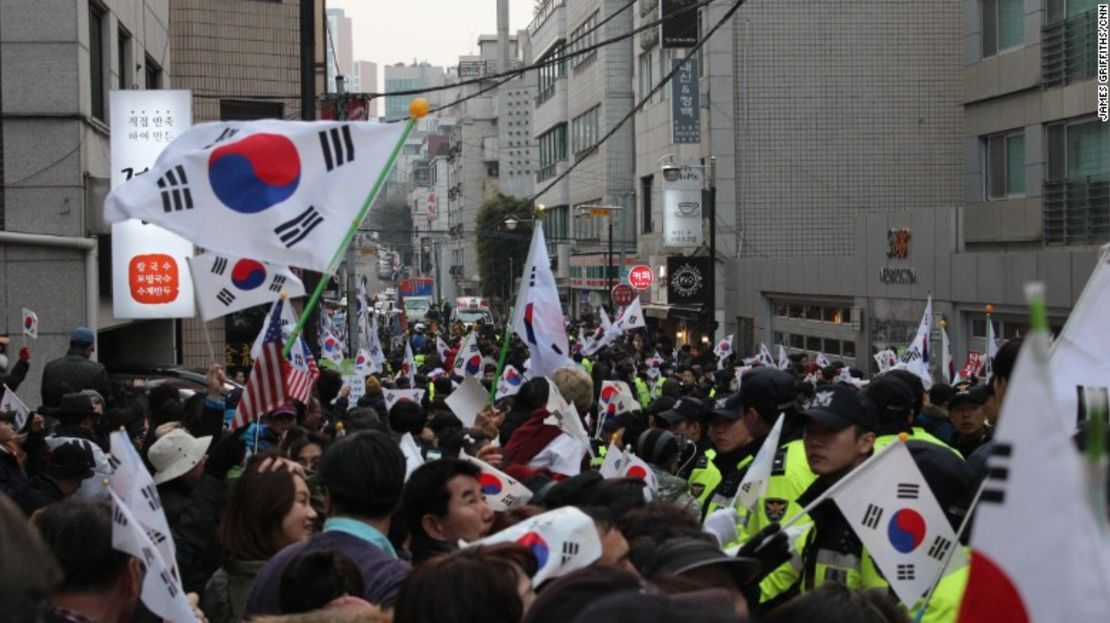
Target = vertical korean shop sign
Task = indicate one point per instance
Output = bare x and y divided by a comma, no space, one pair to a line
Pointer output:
150,274
682,198
685,101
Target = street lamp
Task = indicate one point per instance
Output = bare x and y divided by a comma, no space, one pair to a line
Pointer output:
587,210
672,172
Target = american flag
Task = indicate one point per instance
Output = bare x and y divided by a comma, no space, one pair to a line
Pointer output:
302,375
265,389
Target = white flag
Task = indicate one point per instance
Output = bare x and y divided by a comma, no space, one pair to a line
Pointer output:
637,468
1079,356
565,415
784,361
331,347
413,457
443,349
393,396
501,491
822,361
30,324
632,317
916,358
758,477
615,462
562,540
948,365
279,191
467,400
11,402
161,590
377,356
724,348
1038,553
613,399
288,321
509,383
226,284
468,360
893,512
992,350
765,356
604,319
538,315
363,365
886,359
408,366
654,363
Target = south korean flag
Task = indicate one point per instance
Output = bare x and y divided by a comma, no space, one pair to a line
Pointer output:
277,191
227,284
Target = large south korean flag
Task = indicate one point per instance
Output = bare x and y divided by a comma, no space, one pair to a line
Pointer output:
283,192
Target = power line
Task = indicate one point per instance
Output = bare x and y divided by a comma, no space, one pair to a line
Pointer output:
646,98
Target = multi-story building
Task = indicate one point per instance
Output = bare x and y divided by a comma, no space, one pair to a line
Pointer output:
579,99
948,149
339,56
364,79
58,66
418,75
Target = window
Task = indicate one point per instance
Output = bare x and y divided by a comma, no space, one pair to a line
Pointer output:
1063,9
153,74
646,225
645,75
585,130
240,110
1077,150
1005,165
553,148
813,343
583,37
666,63
97,20
556,222
832,347
1003,25
123,60
798,341
848,349
554,67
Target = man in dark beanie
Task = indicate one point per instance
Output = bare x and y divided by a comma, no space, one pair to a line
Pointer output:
69,464
363,475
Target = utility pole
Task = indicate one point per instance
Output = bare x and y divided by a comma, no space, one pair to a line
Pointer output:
352,277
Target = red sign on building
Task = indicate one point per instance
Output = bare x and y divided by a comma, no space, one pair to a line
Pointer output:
623,295
640,277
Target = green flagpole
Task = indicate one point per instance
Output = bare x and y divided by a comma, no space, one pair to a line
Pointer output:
506,337
417,109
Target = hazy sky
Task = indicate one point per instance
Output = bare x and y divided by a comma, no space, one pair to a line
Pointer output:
439,31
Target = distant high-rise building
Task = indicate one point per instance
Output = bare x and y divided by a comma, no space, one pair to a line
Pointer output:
364,79
401,77
338,47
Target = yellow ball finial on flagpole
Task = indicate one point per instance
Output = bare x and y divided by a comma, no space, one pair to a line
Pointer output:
284,295
943,324
903,436
989,308
418,108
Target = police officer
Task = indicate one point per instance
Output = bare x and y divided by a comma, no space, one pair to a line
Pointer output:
894,401
687,419
765,393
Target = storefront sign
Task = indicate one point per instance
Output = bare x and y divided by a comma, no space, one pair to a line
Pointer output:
680,30
685,101
682,200
622,295
898,276
641,277
150,274
688,280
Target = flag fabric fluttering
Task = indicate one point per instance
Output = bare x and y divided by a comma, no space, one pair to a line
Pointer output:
265,390
1035,466
562,540
413,457
723,349
538,314
886,359
916,359
468,360
501,491
653,365
393,396
894,513
822,361
408,366
331,347
948,365
278,191
992,350
226,284
443,349
631,317
758,477
301,377
509,383
765,357
362,362
1079,356
30,324
377,355
784,361
11,402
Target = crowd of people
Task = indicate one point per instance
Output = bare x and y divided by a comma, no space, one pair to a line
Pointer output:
311,513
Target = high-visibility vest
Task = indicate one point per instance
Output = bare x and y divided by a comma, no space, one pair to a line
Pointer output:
705,477
917,434
643,394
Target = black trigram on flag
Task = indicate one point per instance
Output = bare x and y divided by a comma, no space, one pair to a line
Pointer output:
940,548
225,135
119,517
175,190
908,491
150,494
872,516
155,537
337,146
905,572
169,584
570,550
998,472
226,297
148,555
294,230
278,283
219,266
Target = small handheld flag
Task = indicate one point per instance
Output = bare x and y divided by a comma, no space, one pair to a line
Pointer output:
30,324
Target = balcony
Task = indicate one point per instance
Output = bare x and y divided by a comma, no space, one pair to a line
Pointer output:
1069,50
1077,211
